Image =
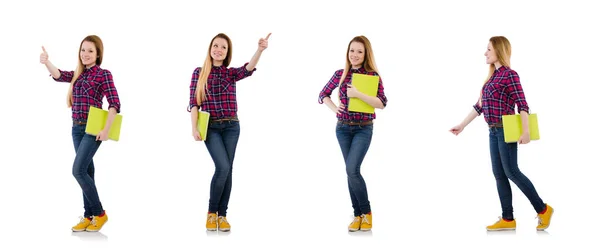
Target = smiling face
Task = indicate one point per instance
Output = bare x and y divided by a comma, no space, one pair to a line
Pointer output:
218,50
490,54
88,54
356,54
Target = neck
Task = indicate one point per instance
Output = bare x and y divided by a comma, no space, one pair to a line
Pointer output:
90,65
217,63
356,66
497,65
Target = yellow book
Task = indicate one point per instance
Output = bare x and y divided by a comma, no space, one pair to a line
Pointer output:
203,118
96,121
513,127
368,85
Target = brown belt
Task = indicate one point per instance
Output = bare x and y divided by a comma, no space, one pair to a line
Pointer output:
79,122
354,122
496,125
221,120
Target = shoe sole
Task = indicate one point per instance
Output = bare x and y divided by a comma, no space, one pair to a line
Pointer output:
211,229
365,230
502,229
224,229
77,230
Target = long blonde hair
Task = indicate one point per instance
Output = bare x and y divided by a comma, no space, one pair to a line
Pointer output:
207,67
502,49
368,63
99,52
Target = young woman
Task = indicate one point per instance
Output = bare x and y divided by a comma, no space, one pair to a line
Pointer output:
89,84
501,91
213,90
354,129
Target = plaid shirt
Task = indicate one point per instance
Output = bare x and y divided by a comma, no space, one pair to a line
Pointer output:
221,101
500,94
89,89
335,81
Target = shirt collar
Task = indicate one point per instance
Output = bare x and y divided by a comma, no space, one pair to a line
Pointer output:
502,68
94,68
359,70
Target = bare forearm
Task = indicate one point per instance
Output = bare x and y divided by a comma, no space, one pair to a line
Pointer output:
194,115
252,64
525,121
470,117
112,112
327,101
372,101
52,70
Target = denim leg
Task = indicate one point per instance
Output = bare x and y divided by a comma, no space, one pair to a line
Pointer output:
502,183
83,169
221,142
359,139
345,140
508,155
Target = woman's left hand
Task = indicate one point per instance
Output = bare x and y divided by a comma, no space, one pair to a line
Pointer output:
102,136
263,43
352,92
524,139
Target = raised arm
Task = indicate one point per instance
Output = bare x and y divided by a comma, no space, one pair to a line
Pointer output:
263,43
51,68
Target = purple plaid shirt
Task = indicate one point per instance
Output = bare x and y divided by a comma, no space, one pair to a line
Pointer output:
335,81
221,101
500,94
89,89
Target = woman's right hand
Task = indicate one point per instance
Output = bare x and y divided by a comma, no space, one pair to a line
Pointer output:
44,56
196,135
340,108
457,129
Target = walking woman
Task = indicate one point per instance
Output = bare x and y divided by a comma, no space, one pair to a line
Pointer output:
213,90
355,129
89,84
501,91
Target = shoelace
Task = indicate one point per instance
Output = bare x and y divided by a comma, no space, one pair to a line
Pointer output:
539,219
364,219
499,219
211,218
81,219
222,219
357,219
93,222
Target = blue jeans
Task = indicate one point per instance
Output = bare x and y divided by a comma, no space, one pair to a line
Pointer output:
83,169
354,141
221,142
504,166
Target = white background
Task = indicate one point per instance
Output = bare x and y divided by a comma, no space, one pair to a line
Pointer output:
427,187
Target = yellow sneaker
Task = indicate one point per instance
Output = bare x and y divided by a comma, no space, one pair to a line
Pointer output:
502,224
84,222
211,222
355,225
97,223
366,223
544,219
223,224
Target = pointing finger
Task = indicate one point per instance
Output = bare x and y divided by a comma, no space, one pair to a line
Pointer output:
267,38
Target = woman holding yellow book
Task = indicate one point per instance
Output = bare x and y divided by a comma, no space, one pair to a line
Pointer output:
213,90
354,129
500,93
89,84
